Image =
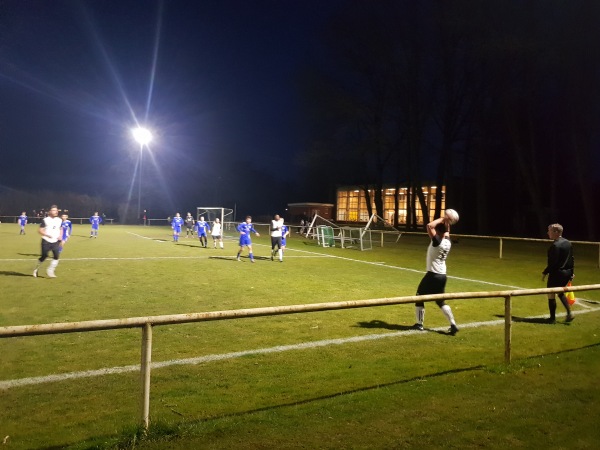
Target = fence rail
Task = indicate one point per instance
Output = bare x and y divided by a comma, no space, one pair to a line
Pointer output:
146,323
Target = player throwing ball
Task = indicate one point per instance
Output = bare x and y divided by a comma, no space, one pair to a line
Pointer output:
434,281
245,228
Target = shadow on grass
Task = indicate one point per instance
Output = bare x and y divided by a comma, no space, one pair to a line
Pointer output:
390,326
10,273
29,254
537,320
384,325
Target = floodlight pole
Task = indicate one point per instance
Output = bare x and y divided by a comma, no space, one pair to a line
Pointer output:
139,208
143,137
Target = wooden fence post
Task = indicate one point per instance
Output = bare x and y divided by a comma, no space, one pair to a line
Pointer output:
145,374
507,328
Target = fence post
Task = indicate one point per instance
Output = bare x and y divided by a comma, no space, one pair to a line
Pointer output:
507,328
145,374
500,248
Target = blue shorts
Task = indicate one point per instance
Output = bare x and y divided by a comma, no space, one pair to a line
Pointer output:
177,229
245,240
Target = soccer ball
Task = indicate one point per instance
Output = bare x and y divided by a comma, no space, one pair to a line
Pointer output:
452,215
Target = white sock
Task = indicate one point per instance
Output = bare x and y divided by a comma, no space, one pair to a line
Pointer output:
280,254
448,313
53,265
420,314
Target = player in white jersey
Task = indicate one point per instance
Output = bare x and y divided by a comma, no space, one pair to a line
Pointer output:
276,225
434,281
50,230
217,233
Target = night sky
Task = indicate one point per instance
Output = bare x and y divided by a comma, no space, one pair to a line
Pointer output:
215,81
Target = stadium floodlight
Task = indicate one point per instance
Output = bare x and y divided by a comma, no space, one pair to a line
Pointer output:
143,136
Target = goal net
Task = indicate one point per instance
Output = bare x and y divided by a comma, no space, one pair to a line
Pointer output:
387,232
318,221
353,237
211,213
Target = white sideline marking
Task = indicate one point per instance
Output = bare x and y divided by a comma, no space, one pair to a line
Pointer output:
8,384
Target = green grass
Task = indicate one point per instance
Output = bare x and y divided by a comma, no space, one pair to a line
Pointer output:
426,389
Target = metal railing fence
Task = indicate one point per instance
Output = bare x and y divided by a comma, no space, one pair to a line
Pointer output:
146,323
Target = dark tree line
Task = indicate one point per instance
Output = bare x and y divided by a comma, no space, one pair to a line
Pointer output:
497,100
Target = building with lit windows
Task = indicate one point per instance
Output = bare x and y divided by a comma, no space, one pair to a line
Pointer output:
352,205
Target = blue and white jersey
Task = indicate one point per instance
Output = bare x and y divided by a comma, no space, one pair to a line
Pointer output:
95,220
284,232
176,223
246,228
22,220
66,229
202,227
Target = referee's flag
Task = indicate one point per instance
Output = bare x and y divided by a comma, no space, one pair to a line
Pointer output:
570,295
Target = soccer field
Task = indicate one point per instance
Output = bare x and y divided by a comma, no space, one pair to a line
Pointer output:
63,389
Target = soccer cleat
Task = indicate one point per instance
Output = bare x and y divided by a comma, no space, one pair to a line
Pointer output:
238,258
453,329
251,260
551,320
50,273
35,273
570,318
418,326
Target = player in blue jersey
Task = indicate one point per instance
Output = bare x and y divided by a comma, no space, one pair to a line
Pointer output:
245,228
176,225
22,222
65,231
201,228
285,232
95,220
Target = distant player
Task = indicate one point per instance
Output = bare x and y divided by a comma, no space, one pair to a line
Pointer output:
276,225
245,228
66,229
95,220
285,233
434,281
50,230
217,233
189,225
202,227
22,222
176,226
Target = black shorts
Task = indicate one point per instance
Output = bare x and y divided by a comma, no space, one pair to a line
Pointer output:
432,283
47,247
275,241
559,278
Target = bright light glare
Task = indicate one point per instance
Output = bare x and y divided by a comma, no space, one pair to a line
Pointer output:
142,135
